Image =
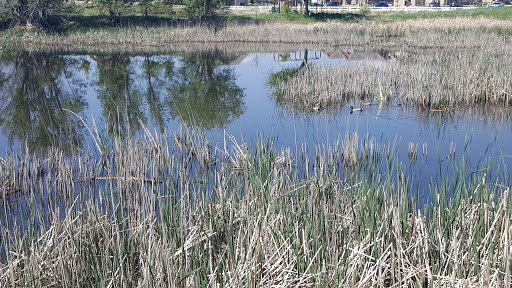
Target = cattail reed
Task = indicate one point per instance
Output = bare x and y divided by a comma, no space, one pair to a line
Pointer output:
460,33
438,81
452,149
413,152
174,211
350,149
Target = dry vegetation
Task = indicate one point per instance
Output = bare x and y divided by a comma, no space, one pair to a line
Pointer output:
179,212
439,79
425,33
437,63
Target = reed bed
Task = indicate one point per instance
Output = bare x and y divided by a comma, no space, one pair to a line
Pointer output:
176,48
440,80
459,33
176,211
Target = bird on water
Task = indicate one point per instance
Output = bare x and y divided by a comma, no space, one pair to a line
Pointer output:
358,109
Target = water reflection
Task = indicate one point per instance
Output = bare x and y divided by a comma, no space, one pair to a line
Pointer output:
153,69
121,106
204,93
197,88
35,105
354,55
211,89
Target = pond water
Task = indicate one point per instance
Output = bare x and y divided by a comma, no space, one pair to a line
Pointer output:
45,96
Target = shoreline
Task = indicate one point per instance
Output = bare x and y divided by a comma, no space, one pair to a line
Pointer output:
459,33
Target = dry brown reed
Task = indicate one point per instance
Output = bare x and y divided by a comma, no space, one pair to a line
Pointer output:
413,152
435,80
350,149
178,211
231,217
459,33
453,147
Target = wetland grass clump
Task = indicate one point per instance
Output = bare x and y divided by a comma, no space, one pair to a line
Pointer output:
177,211
436,80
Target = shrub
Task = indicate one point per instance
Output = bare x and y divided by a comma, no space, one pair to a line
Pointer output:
287,9
365,9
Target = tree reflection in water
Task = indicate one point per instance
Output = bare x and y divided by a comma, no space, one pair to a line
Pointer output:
204,94
152,70
200,92
35,103
121,107
199,89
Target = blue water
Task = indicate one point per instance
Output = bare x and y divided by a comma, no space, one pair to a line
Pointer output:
166,91
225,93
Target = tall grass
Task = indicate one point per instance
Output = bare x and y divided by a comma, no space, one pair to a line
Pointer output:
177,211
458,33
441,80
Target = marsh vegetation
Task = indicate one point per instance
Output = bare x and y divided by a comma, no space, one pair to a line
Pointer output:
140,204
454,34
172,210
433,80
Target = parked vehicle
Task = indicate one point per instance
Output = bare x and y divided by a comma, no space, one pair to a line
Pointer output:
316,5
496,4
332,4
381,4
455,4
434,4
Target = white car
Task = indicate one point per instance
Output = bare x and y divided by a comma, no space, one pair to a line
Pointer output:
496,4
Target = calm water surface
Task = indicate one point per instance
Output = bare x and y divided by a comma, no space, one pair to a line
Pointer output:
45,99
44,96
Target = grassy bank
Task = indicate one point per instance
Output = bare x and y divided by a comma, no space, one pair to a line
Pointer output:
413,34
179,212
488,13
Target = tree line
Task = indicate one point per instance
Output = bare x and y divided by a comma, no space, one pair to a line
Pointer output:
37,12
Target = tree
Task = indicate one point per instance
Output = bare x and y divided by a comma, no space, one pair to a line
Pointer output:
112,6
145,6
201,9
29,12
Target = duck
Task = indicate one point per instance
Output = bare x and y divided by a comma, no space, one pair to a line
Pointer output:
358,109
316,107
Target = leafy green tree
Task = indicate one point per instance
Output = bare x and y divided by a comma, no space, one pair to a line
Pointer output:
29,12
113,7
201,9
146,7
203,94
36,111
168,4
